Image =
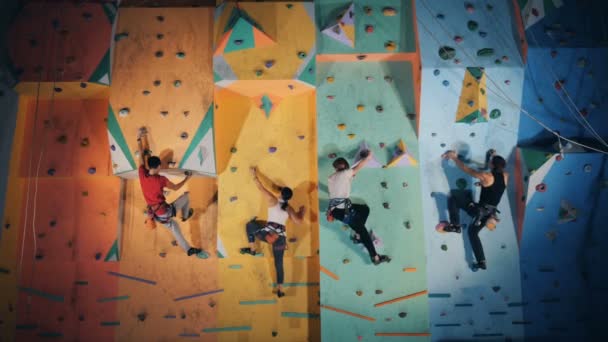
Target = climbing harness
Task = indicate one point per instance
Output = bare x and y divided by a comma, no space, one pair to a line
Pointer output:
162,213
334,203
273,232
489,213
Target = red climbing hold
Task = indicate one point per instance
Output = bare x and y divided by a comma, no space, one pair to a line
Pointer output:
541,187
559,157
369,28
469,7
458,39
559,84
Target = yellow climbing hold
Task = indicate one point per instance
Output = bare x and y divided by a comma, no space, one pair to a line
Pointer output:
360,107
389,11
390,45
341,127
351,136
330,79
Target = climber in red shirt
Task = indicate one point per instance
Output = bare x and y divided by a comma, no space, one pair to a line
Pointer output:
152,185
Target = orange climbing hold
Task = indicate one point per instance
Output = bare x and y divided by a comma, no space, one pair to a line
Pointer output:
341,126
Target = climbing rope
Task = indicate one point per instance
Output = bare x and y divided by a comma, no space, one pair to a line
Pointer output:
505,97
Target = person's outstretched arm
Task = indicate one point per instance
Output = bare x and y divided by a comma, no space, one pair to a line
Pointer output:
272,200
142,140
362,163
297,217
453,156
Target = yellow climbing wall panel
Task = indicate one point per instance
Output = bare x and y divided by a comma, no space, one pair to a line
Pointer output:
12,216
169,31
290,129
278,22
176,275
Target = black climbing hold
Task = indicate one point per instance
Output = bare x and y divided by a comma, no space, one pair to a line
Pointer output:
496,288
238,42
39,256
384,185
52,223
87,16
174,243
177,83
472,135
142,316
7,225
146,92
62,139
440,16
157,83
233,150
302,55
162,254
183,315
58,90
97,256
81,317
433,134
402,314
495,114
407,225
164,113
274,334
184,135
447,53
112,147
361,57
160,36
159,54
83,85
472,25
160,18
33,42
386,205
442,145
379,109
444,247
378,292
51,172
411,116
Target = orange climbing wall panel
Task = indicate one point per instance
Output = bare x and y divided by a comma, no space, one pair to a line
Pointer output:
67,40
60,129
176,274
136,68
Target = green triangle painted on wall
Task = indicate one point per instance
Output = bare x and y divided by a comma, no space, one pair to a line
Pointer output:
309,74
113,254
473,117
534,159
101,74
241,37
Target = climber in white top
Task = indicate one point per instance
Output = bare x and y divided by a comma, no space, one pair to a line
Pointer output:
341,208
273,229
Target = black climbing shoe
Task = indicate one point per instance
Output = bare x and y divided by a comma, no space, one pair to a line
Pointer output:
193,251
381,259
280,293
247,250
479,265
190,214
453,228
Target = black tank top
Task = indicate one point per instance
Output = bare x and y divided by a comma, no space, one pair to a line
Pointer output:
492,194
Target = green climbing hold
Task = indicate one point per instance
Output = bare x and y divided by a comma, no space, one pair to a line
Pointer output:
444,247
233,150
486,52
472,25
177,83
302,55
461,183
495,114
180,55
120,36
446,52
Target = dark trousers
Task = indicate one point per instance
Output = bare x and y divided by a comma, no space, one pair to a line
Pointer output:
254,229
356,220
463,199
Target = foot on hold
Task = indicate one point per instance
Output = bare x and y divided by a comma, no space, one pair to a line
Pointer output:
453,228
193,251
381,259
247,250
202,255
355,239
280,293
478,265
190,214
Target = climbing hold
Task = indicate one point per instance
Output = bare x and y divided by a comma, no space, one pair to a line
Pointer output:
559,84
97,256
341,126
388,79
330,97
389,11
456,61
369,78
369,28
587,168
233,169
177,83
293,240
51,172
379,109
458,39
162,254
274,334
469,7
497,62
39,256
411,116
470,103
156,83
259,72
92,170
483,34
381,145
495,114
52,223
142,316
345,261
351,136
332,155
83,85
112,147
164,113
444,247
184,135
384,185
407,225
120,36
433,134
367,10
360,107
159,54
507,82
301,137
559,157
485,52
160,18
505,58
330,79
436,72
446,83
440,16
58,90
359,293
268,64
186,113
390,45
541,187
180,55
85,193
472,135
386,205
584,111
378,292
446,52
160,36
302,54
62,139
496,288
402,314
361,57
272,149
472,25
289,6
233,198
461,183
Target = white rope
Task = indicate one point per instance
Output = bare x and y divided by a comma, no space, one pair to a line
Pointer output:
505,98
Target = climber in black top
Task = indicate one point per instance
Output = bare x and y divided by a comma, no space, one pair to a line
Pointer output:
493,185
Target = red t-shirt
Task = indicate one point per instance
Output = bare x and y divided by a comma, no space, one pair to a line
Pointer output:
152,186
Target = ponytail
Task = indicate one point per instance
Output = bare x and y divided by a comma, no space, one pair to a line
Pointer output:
284,205
286,195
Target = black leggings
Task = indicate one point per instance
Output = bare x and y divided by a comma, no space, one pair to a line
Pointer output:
358,217
254,229
463,199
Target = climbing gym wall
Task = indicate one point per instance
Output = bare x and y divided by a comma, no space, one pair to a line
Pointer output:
472,78
368,93
560,184
61,212
264,69
162,80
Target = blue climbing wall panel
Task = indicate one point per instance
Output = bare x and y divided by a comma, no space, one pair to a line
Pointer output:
465,305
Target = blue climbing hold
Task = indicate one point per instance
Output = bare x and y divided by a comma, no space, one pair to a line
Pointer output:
51,172
440,16
436,72
483,34
92,170
446,83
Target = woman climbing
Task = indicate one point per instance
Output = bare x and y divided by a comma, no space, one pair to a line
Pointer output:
273,229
